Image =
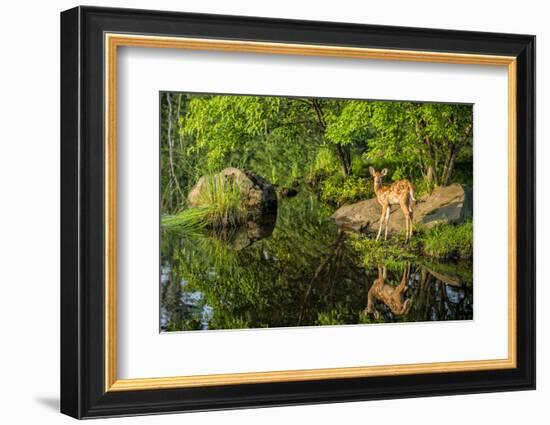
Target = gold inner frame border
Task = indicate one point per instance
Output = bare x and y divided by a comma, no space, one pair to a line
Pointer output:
112,41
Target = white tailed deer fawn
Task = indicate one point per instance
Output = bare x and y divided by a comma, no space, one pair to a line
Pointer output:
390,295
401,192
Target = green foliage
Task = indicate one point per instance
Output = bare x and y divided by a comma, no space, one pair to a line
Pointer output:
352,124
338,191
332,317
325,164
226,125
422,187
443,242
193,323
450,242
359,167
393,253
251,132
426,137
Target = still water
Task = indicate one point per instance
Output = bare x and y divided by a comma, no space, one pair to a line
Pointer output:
298,269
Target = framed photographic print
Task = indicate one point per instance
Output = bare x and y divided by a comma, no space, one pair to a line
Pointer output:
261,212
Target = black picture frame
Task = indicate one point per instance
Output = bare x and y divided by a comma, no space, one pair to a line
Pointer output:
83,392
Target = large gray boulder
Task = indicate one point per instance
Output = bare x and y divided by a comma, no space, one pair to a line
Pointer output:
449,204
258,194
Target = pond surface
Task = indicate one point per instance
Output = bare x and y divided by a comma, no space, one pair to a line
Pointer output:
298,269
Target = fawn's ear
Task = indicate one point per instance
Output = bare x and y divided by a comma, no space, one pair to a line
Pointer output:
371,171
384,172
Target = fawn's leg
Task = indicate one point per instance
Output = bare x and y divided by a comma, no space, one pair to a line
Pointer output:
381,221
405,210
402,287
410,224
406,307
388,210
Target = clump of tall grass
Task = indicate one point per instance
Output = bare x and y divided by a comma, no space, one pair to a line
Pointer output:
187,220
220,205
225,202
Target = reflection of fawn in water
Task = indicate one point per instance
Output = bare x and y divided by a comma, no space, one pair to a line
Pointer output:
392,296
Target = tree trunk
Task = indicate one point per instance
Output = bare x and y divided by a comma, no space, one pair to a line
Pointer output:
171,149
429,168
343,153
344,156
449,164
451,157
431,175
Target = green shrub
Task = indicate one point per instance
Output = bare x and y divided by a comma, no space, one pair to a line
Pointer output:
360,167
325,161
422,187
332,317
444,242
393,253
450,242
324,165
337,190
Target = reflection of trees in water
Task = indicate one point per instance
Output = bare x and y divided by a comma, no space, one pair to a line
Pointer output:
305,273
172,309
181,309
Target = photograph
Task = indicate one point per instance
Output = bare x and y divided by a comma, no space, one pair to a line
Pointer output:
303,211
